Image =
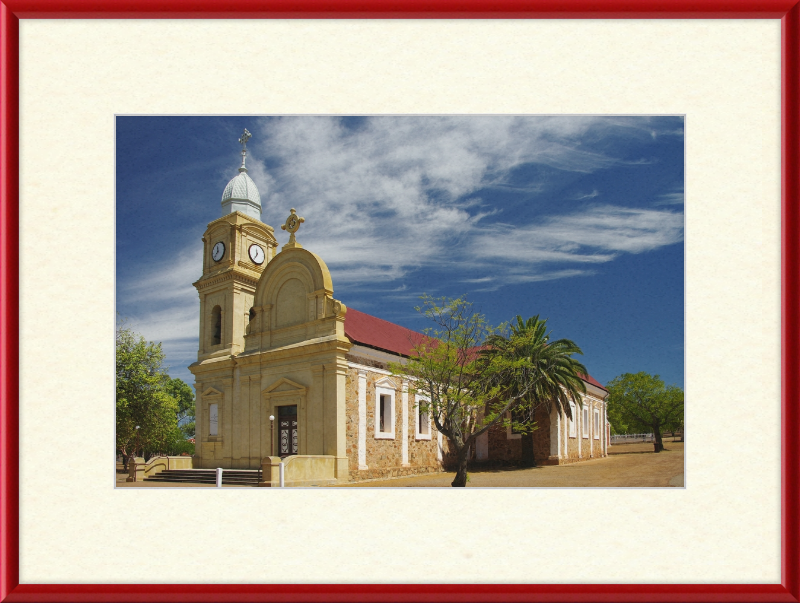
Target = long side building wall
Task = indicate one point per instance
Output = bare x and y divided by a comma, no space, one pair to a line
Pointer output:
401,451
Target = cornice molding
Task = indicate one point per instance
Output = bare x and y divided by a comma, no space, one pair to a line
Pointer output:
229,274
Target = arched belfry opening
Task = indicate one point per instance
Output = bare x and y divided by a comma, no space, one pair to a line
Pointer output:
216,325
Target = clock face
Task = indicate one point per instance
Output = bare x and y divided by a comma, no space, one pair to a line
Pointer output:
218,251
256,254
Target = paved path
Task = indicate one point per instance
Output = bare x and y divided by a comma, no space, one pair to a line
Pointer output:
634,469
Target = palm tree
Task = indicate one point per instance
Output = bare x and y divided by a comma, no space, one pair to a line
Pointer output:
537,371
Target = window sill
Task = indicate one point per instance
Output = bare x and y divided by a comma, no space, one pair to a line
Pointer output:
384,436
423,436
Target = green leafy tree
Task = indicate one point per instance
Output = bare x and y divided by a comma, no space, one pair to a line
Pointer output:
146,412
643,401
476,377
541,372
184,395
619,424
177,444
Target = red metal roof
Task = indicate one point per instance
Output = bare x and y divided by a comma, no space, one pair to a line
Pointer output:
593,381
384,335
377,333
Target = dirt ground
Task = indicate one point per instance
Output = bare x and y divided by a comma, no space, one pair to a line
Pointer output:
627,466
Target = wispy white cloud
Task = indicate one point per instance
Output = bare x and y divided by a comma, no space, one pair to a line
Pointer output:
161,304
616,229
395,195
177,322
168,281
398,193
591,195
516,278
670,199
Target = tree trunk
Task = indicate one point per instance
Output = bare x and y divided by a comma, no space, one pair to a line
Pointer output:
658,445
460,480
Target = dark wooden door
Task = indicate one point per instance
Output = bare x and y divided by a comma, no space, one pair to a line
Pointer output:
287,430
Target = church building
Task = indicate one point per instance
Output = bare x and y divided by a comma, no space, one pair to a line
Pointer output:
284,369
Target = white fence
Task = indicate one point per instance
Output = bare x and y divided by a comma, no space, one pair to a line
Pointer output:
631,438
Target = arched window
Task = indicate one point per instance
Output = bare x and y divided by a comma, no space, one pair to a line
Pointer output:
216,325
250,316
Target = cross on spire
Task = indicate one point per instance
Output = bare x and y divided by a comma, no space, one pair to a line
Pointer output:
243,141
292,224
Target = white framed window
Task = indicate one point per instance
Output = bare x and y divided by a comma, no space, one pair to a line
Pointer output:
384,413
210,419
596,424
585,422
510,433
213,419
572,418
423,420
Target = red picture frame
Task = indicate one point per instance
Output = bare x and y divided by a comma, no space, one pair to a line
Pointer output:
10,13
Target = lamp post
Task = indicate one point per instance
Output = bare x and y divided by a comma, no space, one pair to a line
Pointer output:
271,434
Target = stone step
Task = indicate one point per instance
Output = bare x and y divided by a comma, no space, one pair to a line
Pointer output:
204,478
201,482
240,472
243,477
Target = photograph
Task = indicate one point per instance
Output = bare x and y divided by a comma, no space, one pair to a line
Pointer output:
442,277
400,301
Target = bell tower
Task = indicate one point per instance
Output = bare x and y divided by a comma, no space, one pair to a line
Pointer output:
236,249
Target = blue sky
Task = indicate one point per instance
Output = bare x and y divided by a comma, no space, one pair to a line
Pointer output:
576,218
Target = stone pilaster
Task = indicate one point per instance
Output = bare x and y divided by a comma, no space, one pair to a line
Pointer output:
404,411
317,415
362,420
555,435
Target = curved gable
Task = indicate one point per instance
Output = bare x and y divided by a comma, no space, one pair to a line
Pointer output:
294,302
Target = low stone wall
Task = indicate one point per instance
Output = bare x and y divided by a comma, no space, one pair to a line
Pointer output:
302,470
138,470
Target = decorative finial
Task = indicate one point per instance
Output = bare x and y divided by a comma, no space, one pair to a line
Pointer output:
243,141
293,222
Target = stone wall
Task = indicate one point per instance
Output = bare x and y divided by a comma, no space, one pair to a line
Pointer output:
581,448
506,448
384,457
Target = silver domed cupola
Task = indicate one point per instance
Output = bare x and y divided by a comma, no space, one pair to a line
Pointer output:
242,194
